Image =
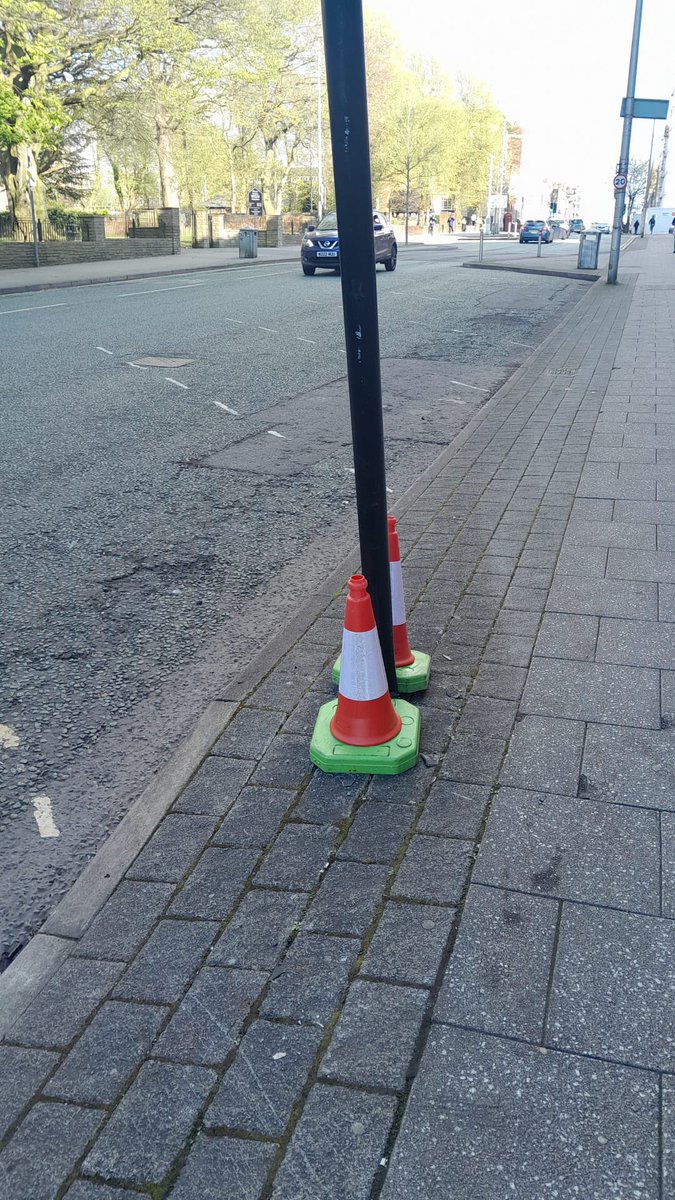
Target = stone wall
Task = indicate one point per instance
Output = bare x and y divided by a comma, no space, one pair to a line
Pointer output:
95,247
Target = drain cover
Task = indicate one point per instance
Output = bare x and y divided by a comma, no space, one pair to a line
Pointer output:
151,361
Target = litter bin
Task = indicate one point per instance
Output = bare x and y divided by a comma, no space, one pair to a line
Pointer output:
589,248
248,243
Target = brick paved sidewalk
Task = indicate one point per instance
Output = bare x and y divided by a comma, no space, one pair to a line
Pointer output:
453,985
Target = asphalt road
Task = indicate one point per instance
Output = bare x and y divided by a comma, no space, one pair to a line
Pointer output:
160,524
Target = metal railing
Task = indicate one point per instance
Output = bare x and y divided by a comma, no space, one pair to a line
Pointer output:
67,229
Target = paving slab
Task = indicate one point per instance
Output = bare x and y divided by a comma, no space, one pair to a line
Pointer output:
257,934
116,1042
22,1071
375,1036
583,691
409,943
218,1167
630,766
490,1118
206,1023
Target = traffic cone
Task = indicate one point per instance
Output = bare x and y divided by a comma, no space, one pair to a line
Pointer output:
413,667
364,730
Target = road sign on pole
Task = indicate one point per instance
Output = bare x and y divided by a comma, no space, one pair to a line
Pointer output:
346,83
624,156
255,203
651,110
620,182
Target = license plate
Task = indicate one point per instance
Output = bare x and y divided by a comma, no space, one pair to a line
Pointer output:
326,254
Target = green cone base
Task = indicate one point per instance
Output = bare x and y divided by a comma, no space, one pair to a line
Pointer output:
391,758
414,678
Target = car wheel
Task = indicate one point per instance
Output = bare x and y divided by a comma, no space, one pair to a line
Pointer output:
308,270
390,263
521,240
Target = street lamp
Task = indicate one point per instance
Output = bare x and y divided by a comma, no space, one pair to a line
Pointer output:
624,156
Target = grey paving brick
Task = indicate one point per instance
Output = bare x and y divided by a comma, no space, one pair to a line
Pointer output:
45,1149
527,599
497,977
206,1023
65,1003
263,1084
571,848
564,636
215,787
647,565
167,962
125,920
545,754
377,832
599,482
638,643
630,766
483,715
473,757
665,537
668,1118
298,857
330,797
592,510
337,1146
257,934
613,987
666,602
172,848
651,513
375,1035
286,764
603,597
617,695
224,1167
22,1072
151,1123
111,1047
248,734
511,649
433,869
347,899
508,1120
308,983
589,561
214,885
85,1190
254,818
624,534
409,942
454,809
504,683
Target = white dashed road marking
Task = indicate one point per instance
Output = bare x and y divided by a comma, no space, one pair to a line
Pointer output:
136,367
275,434
177,287
103,349
32,308
266,329
176,381
474,388
42,807
226,409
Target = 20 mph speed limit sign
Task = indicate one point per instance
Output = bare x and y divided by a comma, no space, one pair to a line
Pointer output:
620,182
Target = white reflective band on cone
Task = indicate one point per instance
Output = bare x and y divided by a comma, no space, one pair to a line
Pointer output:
362,674
397,601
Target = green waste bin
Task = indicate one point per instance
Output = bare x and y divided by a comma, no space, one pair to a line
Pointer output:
248,243
589,248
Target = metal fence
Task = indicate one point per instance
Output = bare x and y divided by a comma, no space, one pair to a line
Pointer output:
66,229
128,224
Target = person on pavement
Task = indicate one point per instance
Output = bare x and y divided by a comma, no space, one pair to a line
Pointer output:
636,226
652,223
672,231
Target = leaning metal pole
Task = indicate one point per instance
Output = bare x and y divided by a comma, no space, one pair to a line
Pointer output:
346,83
624,157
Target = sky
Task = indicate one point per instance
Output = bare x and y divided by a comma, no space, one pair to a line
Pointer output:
559,70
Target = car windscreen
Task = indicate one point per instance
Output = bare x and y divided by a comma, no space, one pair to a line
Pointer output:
328,222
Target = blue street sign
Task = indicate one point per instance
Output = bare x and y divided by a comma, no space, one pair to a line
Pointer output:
654,110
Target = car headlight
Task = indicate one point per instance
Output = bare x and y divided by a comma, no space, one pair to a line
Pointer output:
307,242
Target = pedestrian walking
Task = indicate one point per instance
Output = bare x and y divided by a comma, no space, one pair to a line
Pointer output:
636,226
652,223
672,232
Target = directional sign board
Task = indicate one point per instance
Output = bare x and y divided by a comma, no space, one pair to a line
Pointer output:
255,203
620,182
653,110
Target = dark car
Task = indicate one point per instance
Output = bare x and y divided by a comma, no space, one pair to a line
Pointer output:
532,229
577,225
321,246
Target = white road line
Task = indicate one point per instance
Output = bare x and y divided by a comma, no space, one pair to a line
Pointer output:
176,381
103,349
310,341
178,287
390,490
136,366
226,409
9,739
458,383
275,434
451,330
266,329
42,811
32,308
233,321
452,400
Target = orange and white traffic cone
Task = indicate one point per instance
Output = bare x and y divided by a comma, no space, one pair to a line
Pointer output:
365,715
364,730
412,666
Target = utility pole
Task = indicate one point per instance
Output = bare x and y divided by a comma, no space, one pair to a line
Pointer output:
319,138
624,156
490,183
648,183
